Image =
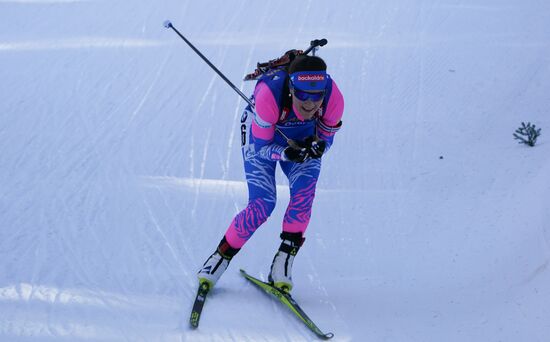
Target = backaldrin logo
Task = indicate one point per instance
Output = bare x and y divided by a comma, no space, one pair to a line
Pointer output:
311,78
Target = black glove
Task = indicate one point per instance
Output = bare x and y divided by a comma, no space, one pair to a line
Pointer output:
316,147
296,152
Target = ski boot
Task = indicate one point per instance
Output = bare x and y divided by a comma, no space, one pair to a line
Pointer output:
216,264
281,267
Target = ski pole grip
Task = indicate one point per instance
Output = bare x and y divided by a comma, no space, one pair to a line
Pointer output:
321,42
315,43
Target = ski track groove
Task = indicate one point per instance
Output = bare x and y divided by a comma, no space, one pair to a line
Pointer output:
236,122
206,141
82,276
167,241
164,239
189,254
213,114
158,73
241,104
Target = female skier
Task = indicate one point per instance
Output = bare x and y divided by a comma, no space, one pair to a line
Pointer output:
297,114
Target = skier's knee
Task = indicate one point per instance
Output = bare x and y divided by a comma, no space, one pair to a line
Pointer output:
261,208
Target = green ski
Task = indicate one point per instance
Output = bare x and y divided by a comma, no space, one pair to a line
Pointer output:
198,304
287,300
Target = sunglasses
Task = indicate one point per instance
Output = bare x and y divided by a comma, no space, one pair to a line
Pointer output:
304,95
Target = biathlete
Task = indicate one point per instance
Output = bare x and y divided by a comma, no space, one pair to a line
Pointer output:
297,113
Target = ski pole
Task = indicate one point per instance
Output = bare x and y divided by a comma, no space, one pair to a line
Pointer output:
168,24
314,43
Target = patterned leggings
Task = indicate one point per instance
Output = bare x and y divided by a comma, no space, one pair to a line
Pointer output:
262,197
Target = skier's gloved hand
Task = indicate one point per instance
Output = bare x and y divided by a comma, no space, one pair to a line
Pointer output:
296,152
316,147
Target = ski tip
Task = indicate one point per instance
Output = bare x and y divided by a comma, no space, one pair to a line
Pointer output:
327,336
194,320
167,23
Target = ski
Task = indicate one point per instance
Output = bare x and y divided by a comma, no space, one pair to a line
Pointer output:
198,304
287,300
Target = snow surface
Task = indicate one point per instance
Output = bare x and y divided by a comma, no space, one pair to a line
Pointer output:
120,170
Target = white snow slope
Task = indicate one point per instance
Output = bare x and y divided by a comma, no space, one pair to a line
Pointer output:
120,170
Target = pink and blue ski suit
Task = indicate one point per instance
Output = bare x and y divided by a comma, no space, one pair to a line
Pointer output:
262,147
